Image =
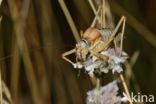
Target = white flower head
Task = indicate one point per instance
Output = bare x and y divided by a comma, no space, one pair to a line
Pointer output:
107,94
114,55
117,68
115,59
90,69
77,65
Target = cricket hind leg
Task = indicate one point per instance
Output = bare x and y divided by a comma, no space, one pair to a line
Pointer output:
118,41
121,21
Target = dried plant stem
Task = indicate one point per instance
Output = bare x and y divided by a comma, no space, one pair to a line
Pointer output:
39,61
95,18
130,75
92,6
107,12
94,10
15,65
1,91
103,14
134,58
125,87
69,19
109,22
7,93
19,27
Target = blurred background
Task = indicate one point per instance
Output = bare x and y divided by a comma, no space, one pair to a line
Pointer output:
34,34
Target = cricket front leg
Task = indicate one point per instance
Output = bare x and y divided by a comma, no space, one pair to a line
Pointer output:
122,34
68,53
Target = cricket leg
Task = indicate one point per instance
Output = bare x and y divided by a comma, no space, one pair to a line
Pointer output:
117,41
119,38
68,53
122,35
122,20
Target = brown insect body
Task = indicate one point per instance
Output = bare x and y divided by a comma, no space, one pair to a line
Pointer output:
94,35
94,41
91,34
90,37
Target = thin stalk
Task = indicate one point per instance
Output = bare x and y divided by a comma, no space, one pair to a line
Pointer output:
94,10
70,20
125,87
1,91
104,13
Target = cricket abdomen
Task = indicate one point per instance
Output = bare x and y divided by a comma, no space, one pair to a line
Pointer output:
92,34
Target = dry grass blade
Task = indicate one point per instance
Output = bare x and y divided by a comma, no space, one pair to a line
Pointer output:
1,91
125,87
110,20
94,10
70,20
15,70
6,99
134,58
130,76
6,92
1,2
103,13
95,18
19,25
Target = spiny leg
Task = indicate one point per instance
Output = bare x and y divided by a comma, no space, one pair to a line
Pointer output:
122,35
113,34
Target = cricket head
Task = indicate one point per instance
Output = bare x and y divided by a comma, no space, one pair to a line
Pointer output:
82,50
